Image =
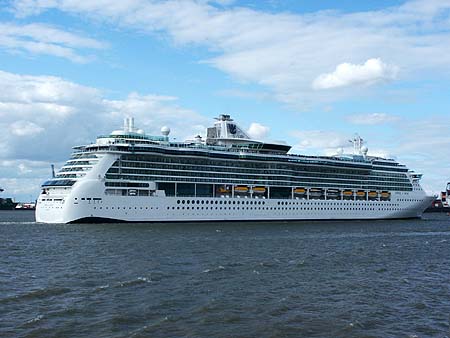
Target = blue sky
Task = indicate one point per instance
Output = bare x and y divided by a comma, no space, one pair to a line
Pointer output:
311,73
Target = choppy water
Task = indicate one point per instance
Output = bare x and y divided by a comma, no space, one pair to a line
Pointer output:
306,279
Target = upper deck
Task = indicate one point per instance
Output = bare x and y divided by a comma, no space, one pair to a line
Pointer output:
227,140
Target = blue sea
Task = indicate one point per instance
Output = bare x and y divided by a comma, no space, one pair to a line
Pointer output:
281,279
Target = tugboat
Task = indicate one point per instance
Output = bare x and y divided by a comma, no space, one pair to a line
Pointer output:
7,203
441,204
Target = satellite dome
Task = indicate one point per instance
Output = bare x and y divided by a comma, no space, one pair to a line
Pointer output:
140,131
364,150
165,131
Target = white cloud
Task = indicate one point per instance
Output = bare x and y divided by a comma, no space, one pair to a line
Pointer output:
315,142
347,74
39,113
25,128
285,52
258,131
47,40
21,189
372,118
42,117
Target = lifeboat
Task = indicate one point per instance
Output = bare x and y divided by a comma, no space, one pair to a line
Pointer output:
300,191
241,188
385,195
333,194
315,193
348,192
258,190
360,195
373,194
224,189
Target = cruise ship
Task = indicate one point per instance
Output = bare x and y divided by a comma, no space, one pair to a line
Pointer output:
129,176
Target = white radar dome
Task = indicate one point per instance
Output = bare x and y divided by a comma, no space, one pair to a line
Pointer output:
364,150
165,131
140,131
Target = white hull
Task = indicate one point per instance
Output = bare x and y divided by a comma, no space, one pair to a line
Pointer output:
177,209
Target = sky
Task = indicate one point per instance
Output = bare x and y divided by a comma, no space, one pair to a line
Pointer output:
311,73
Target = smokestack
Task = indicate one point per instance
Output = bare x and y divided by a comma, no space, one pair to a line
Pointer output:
131,124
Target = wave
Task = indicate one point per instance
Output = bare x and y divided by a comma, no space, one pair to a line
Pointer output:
34,320
35,294
219,268
139,280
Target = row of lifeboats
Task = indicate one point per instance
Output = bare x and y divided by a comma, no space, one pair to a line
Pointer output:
245,189
314,192
346,194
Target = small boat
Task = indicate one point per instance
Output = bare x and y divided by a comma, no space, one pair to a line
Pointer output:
259,190
385,195
360,193
333,194
316,193
224,190
300,191
348,192
373,194
241,188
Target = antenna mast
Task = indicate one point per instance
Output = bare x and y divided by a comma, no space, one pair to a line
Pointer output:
357,144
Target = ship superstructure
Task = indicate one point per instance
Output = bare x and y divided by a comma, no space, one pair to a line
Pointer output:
133,177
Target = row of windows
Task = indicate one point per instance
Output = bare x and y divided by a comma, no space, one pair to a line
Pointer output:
280,208
311,179
124,166
220,202
313,160
277,164
82,155
256,208
318,183
250,167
